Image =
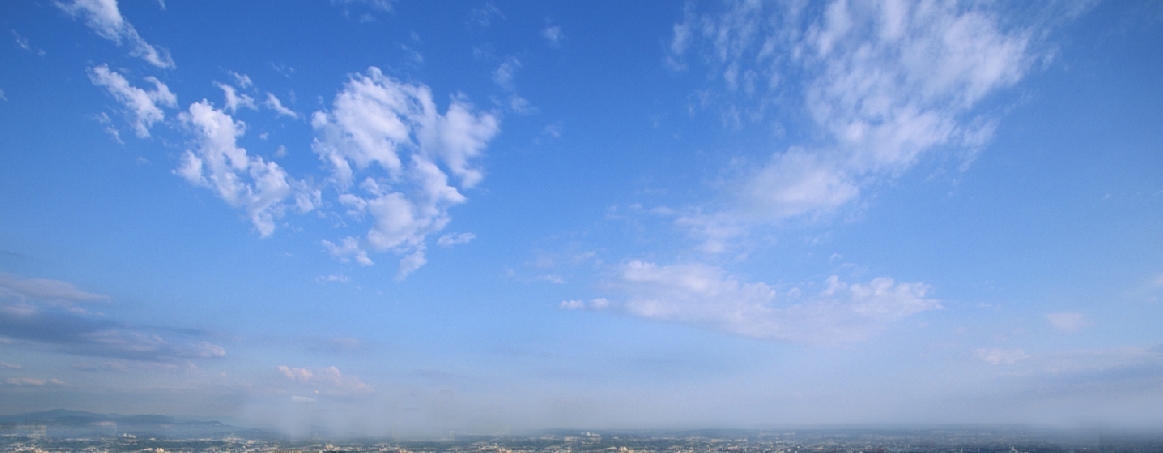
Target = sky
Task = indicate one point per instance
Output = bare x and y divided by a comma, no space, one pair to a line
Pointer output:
407,218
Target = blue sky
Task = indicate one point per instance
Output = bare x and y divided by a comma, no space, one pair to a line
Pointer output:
414,217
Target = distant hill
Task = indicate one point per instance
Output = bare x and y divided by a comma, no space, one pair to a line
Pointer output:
61,422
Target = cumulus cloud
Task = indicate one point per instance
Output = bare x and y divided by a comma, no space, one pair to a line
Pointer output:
882,82
1067,321
142,104
331,376
103,17
258,187
706,296
413,161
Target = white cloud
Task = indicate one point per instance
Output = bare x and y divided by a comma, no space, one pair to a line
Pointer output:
333,278
273,103
1067,321
242,80
234,99
251,183
883,82
483,16
43,289
142,104
31,381
552,33
593,304
348,249
10,366
384,128
707,296
22,43
797,182
1000,356
381,5
105,19
449,240
503,75
330,376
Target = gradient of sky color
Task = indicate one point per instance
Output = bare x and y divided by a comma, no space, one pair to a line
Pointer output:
414,217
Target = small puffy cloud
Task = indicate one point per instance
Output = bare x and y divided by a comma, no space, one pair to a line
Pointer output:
382,129
299,374
9,366
331,377
593,304
348,249
103,17
1000,356
708,297
1067,321
449,240
333,278
142,104
247,182
552,33
503,75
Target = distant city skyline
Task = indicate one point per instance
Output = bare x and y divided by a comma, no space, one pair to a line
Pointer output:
414,217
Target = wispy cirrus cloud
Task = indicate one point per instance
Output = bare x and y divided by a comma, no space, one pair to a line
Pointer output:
105,19
882,83
413,162
32,381
55,292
